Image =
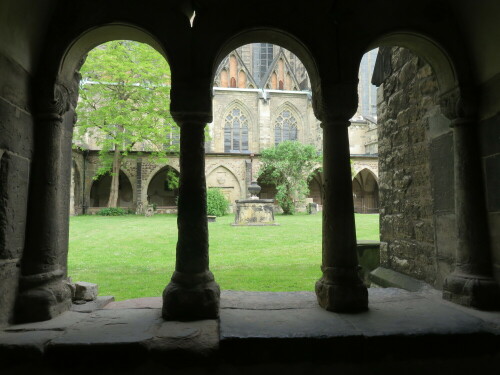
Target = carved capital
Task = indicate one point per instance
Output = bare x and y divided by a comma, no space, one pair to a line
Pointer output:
338,103
54,104
191,102
188,117
459,105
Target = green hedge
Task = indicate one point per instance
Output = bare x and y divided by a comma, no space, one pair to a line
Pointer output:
112,211
217,204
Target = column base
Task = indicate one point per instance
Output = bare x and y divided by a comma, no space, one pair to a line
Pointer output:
43,302
480,292
341,290
191,297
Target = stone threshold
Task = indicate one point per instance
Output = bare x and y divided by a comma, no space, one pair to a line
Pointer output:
258,328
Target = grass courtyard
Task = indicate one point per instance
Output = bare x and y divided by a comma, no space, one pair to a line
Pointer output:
134,256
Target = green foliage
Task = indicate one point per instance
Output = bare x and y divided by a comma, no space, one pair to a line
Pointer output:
124,101
289,166
112,211
217,204
172,179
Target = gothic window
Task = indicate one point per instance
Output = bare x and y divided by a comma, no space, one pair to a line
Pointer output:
236,132
285,128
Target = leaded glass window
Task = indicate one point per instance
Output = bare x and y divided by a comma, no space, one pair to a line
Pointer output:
285,128
236,132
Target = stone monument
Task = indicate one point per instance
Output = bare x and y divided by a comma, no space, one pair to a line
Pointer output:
254,211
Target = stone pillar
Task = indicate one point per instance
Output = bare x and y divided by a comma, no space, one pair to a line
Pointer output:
471,283
340,289
192,292
44,291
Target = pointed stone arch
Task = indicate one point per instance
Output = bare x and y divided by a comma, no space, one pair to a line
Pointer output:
158,191
365,191
225,179
99,191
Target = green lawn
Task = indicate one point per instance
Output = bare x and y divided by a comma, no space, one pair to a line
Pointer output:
134,256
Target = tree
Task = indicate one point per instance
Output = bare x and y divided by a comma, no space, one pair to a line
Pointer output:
289,166
124,103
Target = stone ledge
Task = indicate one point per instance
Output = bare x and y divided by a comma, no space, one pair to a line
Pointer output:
256,328
388,278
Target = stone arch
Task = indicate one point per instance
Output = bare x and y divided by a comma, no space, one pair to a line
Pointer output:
95,36
277,37
365,192
99,191
225,179
358,167
158,191
437,56
316,186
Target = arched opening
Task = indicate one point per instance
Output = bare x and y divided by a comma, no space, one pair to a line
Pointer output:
143,132
99,192
163,189
365,192
316,188
415,149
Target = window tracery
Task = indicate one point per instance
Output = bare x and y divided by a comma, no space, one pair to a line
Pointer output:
285,128
236,131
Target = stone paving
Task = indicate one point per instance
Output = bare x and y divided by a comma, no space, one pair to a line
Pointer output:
260,327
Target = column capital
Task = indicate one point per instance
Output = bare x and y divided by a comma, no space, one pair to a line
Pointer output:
192,117
54,104
460,106
338,103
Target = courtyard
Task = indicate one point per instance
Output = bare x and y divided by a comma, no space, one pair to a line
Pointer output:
133,256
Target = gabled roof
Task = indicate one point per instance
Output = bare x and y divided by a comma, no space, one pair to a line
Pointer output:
288,69
241,66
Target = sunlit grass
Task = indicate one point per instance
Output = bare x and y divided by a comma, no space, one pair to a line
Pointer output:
134,256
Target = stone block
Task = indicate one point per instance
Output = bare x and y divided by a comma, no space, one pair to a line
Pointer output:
489,133
85,291
16,130
494,226
9,279
442,172
388,278
492,172
14,83
446,237
14,176
254,212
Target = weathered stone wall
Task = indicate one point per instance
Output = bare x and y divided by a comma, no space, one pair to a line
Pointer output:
20,33
416,172
490,141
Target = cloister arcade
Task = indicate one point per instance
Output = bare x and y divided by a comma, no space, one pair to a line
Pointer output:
330,48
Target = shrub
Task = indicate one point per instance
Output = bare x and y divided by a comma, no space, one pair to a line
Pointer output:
112,211
217,204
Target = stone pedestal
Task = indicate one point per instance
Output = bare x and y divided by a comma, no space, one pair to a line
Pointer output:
254,212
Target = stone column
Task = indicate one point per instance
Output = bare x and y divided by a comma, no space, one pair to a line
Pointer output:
44,291
340,289
471,283
192,292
